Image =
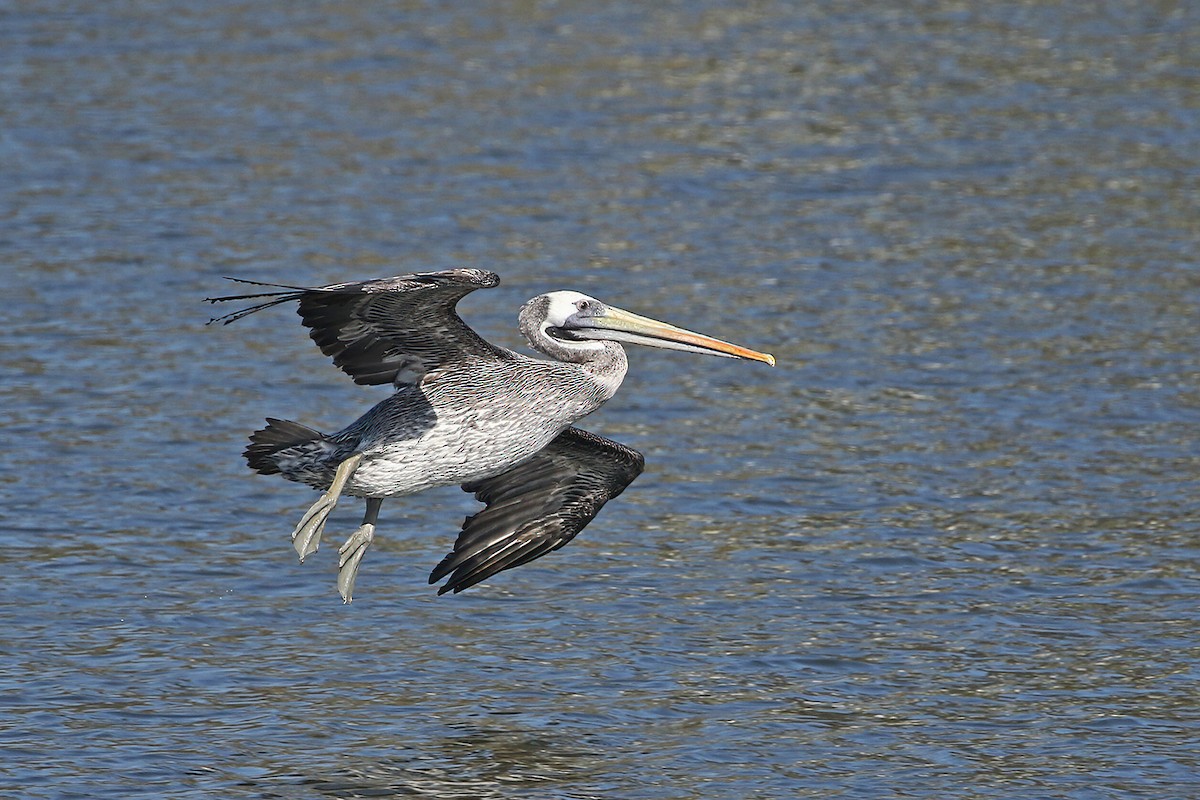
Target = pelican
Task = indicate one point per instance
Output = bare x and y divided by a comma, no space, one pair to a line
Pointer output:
465,412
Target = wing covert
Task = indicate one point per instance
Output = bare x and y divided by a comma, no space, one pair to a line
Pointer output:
537,506
375,330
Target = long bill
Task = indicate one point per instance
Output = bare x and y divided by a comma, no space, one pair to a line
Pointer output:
623,326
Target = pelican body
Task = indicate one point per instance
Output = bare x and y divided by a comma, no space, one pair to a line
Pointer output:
464,412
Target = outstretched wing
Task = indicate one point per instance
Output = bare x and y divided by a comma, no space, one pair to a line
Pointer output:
537,506
376,329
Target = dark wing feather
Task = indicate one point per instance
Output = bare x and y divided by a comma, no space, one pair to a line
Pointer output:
537,506
375,329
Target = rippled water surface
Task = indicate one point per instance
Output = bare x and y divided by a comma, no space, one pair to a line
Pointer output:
948,548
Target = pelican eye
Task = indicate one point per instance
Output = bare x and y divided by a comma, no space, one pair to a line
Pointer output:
583,305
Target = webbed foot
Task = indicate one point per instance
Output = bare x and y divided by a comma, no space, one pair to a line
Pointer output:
350,555
306,538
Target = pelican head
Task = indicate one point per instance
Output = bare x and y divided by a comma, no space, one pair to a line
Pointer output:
573,319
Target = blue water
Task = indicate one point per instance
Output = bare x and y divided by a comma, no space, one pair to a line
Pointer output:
947,548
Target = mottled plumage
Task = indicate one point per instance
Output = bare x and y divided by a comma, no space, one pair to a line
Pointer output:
464,412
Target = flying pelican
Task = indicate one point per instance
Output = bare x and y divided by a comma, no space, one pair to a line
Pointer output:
464,411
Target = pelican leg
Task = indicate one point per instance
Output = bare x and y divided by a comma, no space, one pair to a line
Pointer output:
350,554
306,538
